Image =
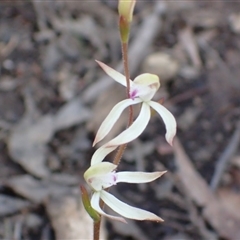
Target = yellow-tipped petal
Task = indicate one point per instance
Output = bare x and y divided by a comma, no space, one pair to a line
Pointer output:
147,79
145,86
101,176
99,169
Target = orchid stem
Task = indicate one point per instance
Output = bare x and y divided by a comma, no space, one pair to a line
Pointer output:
96,230
122,148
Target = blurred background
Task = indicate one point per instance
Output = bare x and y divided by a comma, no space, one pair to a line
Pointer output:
53,98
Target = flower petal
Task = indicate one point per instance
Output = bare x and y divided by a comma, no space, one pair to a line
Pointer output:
126,210
145,86
112,117
147,79
101,168
117,76
101,175
168,119
134,130
101,153
138,177
95,205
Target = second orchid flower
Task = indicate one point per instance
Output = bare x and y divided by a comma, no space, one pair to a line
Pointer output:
142,90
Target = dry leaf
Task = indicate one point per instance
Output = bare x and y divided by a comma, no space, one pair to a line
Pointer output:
27,143
225,223
10,205
35,190
72,113
69,218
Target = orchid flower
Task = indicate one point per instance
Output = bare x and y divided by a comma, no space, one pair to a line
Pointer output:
102,176
142,90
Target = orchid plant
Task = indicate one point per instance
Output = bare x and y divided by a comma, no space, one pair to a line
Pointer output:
101,175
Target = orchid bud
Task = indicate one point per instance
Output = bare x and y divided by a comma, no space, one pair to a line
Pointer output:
125,10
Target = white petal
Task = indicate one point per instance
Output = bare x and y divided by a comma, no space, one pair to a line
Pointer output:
101,168
168,119
147,85
134,130
100,176
101,153
138,177
147,79
126,210
112,117
117,76
95,205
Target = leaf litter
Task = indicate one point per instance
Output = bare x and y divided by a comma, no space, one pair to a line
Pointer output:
205,48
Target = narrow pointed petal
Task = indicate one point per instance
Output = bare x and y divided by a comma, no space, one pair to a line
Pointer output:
138,177
134,130
168,119
112,117
101,153
95,205
126,210
117,76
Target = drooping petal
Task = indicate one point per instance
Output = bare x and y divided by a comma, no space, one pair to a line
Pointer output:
134,130
112,117
101,153
101,175
138,177
117,76
126,210
95,205
168,119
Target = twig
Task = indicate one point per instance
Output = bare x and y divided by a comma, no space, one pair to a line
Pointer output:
188,95
199,192
222,162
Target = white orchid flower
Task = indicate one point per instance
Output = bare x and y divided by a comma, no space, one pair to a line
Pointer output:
102,175
142,90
